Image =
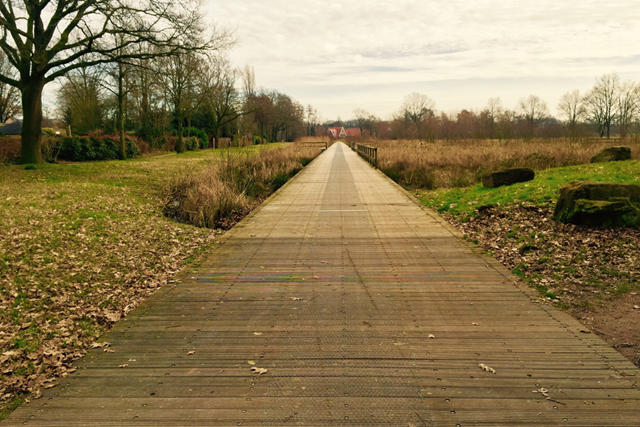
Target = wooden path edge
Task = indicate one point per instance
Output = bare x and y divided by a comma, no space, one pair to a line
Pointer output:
568,321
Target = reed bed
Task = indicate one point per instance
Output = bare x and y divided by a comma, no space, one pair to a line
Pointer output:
225,191
461,163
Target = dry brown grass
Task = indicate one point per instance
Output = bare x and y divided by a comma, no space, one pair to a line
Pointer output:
9,148
308,139
225,191
445,164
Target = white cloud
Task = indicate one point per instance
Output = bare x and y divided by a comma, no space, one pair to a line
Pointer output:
345,54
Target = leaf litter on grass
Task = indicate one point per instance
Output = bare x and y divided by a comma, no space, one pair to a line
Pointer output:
81,245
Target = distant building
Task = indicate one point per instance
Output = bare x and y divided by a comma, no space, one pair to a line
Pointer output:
12,128
340,132
337,132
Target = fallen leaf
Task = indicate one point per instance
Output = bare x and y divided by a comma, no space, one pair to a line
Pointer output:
257,333
100,344
251,362
486,368
636,307
543,391
295,299
259,371
474,324
191,353
432,336
108,350
367,323
123,365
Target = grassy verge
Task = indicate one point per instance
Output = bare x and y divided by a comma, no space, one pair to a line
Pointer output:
81,245
544,190
592,272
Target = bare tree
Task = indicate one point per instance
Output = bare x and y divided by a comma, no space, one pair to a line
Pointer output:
46,39
312,120
492,112
9,95
402,124
571,106
81,100
365,120
187,87
223,103
249,81
534,111
601,103
628,105
418,108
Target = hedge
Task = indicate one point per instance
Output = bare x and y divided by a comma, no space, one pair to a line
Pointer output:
81,149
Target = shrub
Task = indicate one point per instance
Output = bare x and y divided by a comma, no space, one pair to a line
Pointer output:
148,133
162,142
49,131
227,190
81,149
202,140
256,140
132,148
191,143
9,148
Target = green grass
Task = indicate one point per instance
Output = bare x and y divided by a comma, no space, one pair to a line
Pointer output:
543,190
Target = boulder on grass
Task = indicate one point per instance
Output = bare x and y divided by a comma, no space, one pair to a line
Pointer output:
612,154
599,203
508,177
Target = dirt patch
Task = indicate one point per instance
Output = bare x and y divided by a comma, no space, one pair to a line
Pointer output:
593,273
618,323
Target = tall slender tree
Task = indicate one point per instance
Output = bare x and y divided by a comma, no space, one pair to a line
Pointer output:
601,102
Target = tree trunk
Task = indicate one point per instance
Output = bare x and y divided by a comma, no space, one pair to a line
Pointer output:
216,141
30,151
180,142
123,145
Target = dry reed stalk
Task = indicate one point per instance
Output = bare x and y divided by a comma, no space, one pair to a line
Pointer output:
224,192
464,162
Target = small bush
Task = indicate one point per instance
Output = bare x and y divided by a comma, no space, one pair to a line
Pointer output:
224,192
132,148
49,131
81,149
148,131
256,140
191,143
202,140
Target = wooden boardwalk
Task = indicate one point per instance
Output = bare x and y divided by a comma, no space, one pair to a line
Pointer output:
365,310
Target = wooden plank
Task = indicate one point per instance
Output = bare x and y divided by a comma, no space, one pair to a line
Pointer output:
334,286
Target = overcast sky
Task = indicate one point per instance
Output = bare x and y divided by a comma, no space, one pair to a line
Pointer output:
342,55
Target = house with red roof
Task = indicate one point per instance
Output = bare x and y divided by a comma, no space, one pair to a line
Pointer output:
337,132
353,132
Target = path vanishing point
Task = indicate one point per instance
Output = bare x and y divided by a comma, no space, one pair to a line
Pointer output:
364,309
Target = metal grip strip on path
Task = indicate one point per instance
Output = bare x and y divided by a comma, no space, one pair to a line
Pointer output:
364,310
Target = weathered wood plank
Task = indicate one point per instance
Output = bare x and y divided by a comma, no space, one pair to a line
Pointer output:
334,286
